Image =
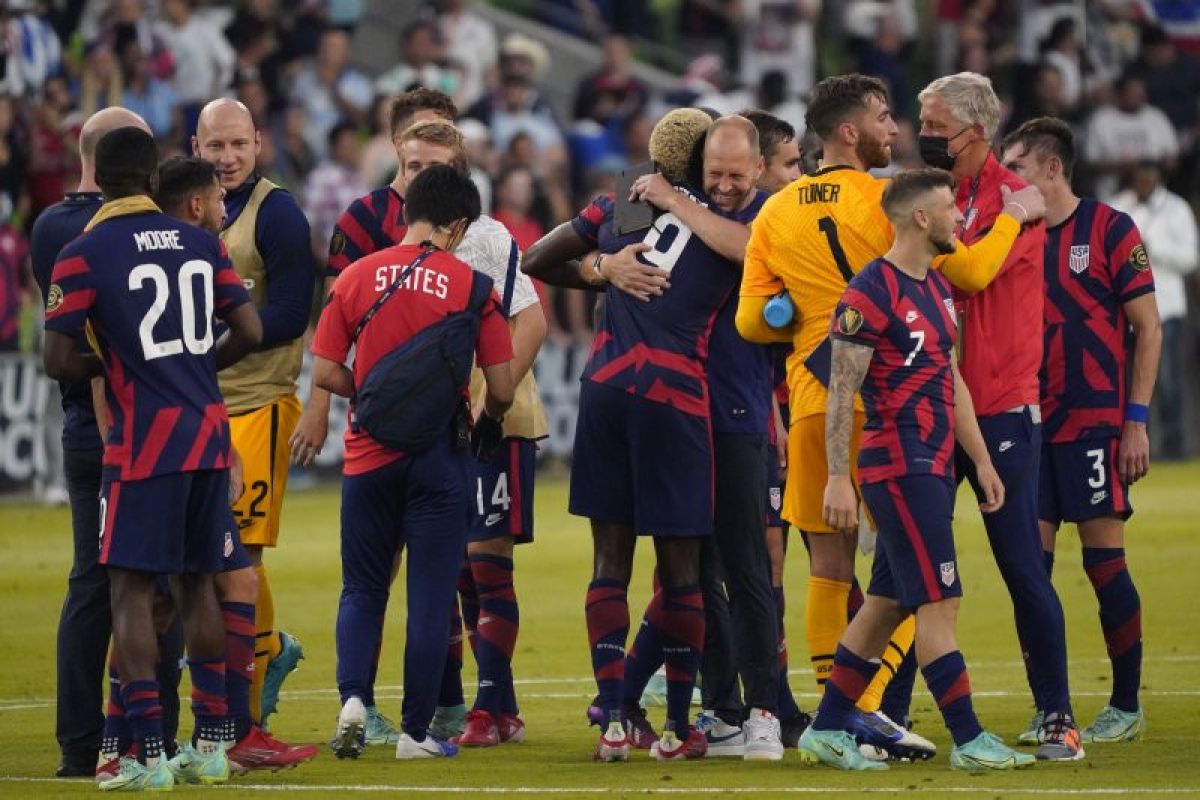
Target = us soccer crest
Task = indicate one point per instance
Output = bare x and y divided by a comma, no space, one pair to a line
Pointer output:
1081,254
775,499
850,321
947,570
949,303
228,544
337,244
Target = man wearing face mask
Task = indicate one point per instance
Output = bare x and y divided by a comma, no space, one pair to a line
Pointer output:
1000,349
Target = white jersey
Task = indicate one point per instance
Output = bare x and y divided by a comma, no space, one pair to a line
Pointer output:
489,248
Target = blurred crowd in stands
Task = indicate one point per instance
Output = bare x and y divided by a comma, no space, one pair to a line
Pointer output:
1125,73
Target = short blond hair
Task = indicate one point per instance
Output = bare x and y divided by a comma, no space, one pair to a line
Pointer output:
676,139
970,98
442,134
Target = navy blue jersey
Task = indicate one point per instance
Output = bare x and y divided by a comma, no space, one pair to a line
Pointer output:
149,286
372,222
283,239
908,393
1095,263
739,372
657,349
55,228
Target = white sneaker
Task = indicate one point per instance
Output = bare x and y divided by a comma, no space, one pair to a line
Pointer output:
431,747
762,742
724,740
349,739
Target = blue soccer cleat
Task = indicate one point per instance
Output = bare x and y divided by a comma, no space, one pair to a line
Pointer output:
291,653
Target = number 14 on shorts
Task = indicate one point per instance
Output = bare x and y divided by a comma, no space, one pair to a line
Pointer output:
493,510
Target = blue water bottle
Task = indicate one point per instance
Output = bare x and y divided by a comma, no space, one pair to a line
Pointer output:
779,311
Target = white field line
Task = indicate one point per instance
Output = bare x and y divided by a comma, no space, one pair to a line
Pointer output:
665,790
395,693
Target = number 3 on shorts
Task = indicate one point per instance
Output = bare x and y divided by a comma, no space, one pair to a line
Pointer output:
1096,481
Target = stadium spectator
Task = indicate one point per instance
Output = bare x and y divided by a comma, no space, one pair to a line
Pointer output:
328,90
1168,227
37,49
377,164
99,87
1172,78
1042,96
421,63
295,158
612,92
1124,132
514,199
53,157
482,158
1061,51
333,185
779,35
14,160
145,95
203,58
470,42
15,287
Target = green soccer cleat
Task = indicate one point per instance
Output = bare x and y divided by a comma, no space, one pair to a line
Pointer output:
1115,725
278,668
987,752
191,766
380,729
1033,734
835,748
449,722
133,776
655,693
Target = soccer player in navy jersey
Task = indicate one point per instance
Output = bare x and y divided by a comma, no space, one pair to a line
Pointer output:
148,287
1099,286
642,448
85,625
893,336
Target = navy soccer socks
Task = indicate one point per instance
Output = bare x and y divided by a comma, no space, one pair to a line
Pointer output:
1120,619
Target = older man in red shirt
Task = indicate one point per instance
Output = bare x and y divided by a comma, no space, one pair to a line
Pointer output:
1000,350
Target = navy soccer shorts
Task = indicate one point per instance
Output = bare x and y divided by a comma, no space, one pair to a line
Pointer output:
641,463
915,562
1079,481
168,524
775,483
503,501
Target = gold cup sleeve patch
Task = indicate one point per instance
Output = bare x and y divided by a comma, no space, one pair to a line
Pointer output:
54,298
850,321
1138,258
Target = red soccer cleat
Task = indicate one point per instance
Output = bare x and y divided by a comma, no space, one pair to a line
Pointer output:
259,750
512,728
480,730
670,747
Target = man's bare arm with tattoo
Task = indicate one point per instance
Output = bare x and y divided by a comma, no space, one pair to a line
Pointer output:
849,370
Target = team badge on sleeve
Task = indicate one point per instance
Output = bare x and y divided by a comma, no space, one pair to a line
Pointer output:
337,244
1138,258
54,298
947,570
1080,256
850,321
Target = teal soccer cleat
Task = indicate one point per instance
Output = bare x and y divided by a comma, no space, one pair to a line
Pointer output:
1115,725
1034,733
278,668
835,748
191,766
380,729
987,752
133,776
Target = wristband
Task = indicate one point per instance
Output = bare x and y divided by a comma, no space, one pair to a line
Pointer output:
1023,210
1136,412
596,267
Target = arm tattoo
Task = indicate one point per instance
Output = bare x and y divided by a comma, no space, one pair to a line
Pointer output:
850,363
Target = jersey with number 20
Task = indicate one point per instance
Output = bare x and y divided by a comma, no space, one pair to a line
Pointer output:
150,286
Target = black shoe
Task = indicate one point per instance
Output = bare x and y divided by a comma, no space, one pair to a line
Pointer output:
76,768
790,730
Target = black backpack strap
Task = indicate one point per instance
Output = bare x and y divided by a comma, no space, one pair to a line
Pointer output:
514,258
391,290
481,291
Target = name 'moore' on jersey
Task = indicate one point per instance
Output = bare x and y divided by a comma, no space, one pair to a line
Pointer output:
1095,263
657,349
371,223
908,393
150,285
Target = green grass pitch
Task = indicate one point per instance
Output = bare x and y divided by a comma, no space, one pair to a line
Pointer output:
553,671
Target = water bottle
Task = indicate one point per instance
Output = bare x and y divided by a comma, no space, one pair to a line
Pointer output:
779,310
